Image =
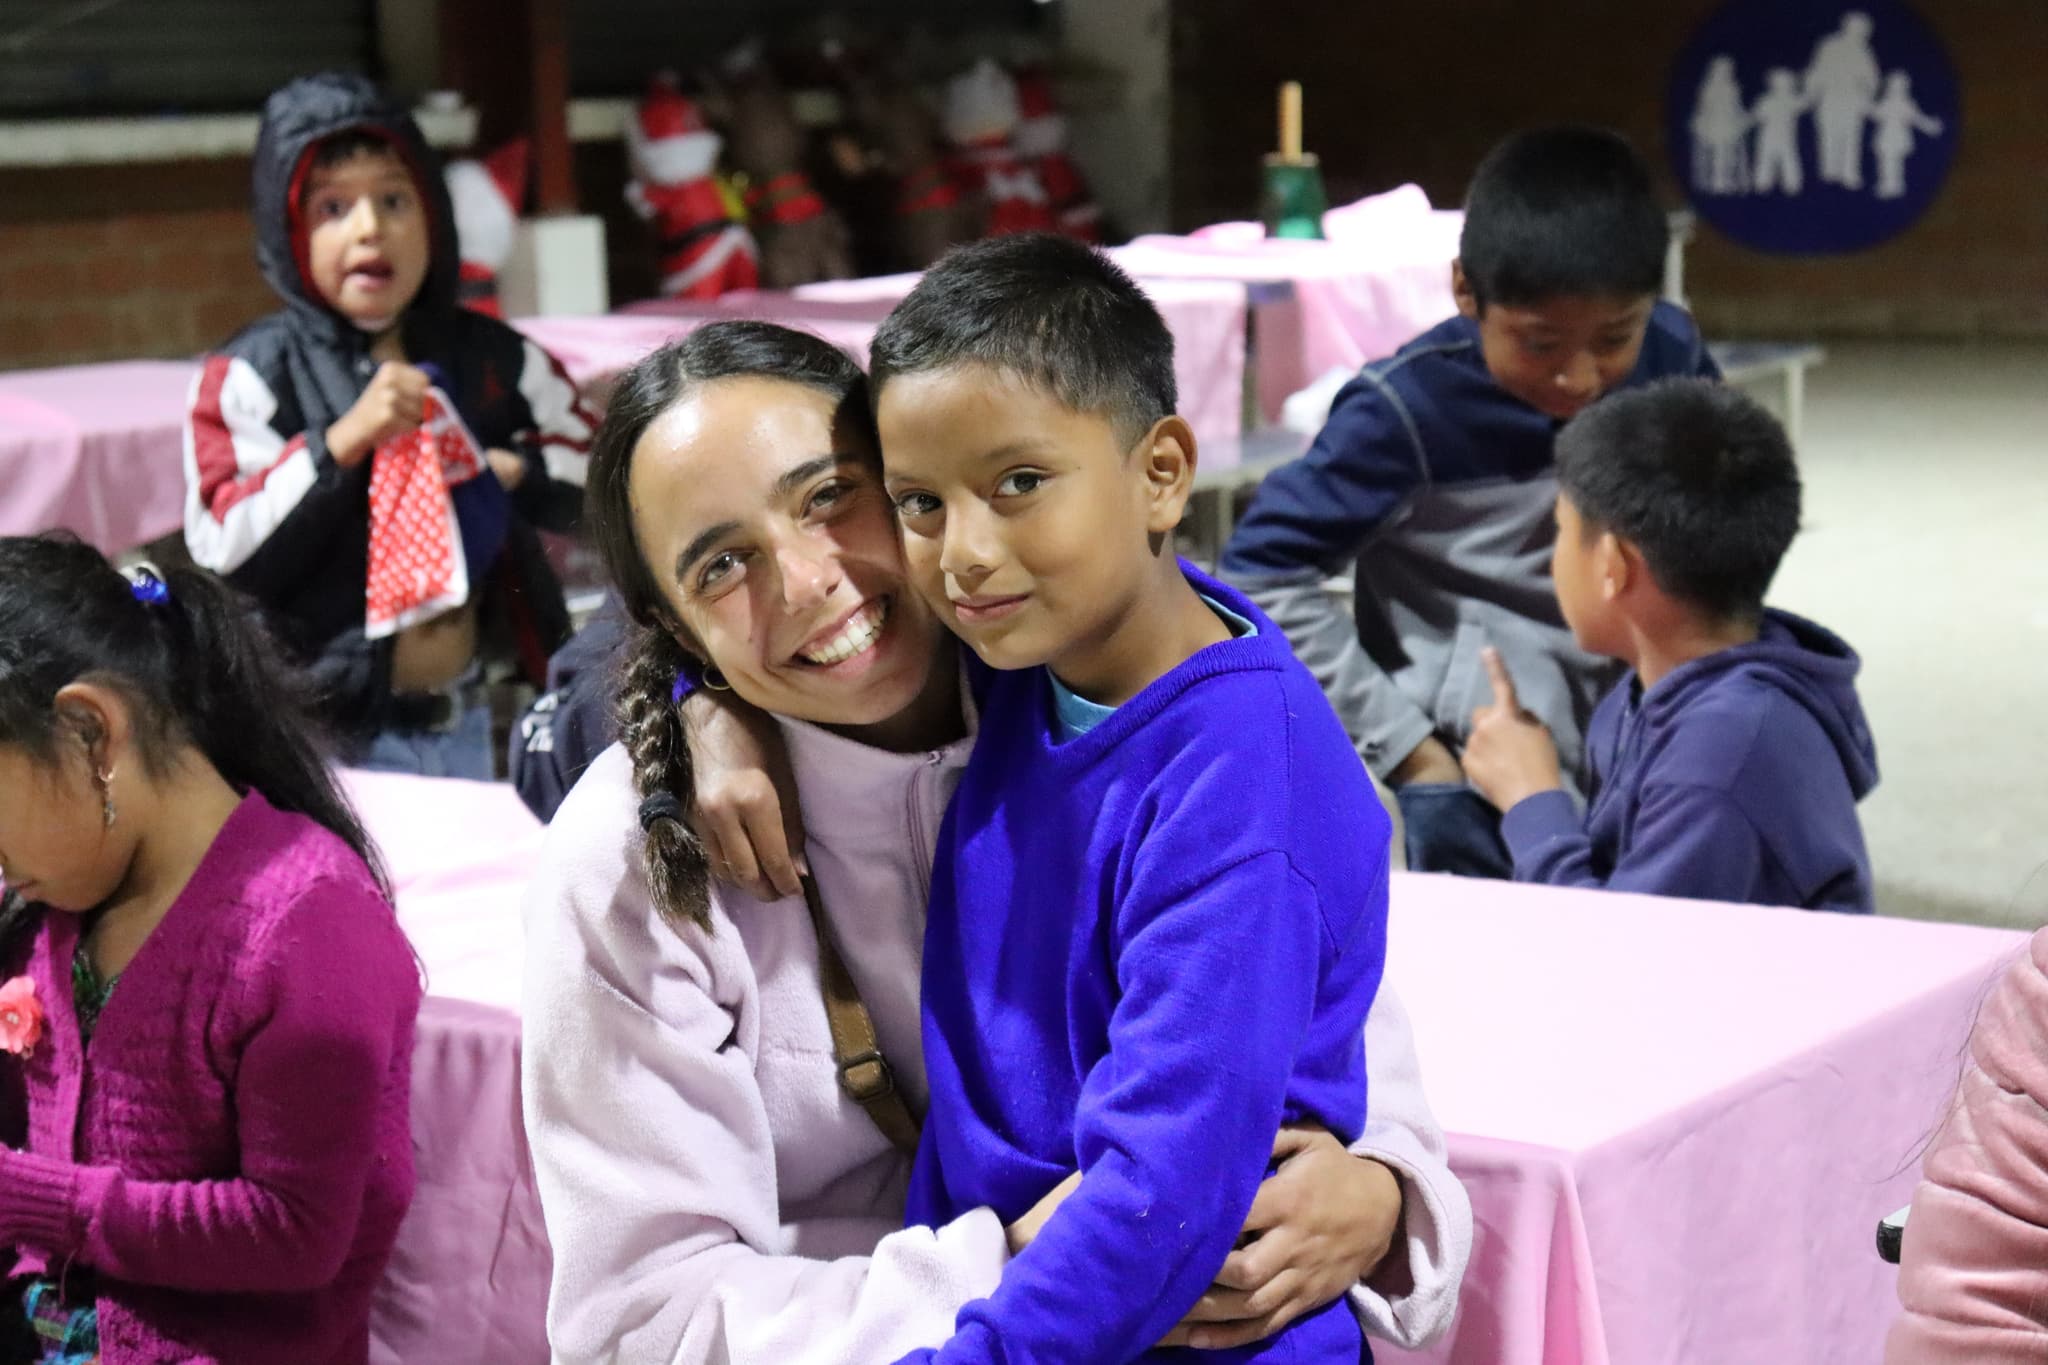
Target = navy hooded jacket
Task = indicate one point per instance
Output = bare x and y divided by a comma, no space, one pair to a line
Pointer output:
268,508
1735,778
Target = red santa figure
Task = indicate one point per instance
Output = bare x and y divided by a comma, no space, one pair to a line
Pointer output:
704,252
1041,142
487,195
981,114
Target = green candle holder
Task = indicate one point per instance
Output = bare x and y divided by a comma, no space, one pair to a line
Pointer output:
1291,200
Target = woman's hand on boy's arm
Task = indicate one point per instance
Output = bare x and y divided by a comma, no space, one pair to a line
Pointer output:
1025,1230
1322,1222
1509,756
746,806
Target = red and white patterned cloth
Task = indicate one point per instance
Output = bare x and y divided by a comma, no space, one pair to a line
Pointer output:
417,570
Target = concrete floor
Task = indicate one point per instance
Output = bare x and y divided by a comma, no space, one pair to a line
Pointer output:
1926,546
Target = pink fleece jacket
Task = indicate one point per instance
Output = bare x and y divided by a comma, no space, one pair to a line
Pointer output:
1974,1276
232,1156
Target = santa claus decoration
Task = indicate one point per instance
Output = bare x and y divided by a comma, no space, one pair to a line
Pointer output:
487,196
981,115
704,251
1040,140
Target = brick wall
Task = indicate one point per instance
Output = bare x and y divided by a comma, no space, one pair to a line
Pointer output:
1418,92
121,261
115,262
104,262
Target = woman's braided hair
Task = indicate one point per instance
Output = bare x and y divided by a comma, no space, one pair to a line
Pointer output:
650,722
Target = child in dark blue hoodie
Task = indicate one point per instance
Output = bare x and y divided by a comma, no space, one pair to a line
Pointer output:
1727,765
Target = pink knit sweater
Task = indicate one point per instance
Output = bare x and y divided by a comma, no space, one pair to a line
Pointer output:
234,1160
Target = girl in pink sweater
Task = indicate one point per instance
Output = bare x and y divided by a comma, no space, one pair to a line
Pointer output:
204,991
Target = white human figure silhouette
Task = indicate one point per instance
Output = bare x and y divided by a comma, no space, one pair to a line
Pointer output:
1778,164
1720,127
1842,80
1897,118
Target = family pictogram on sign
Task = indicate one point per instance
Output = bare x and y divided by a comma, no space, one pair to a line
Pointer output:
1804,127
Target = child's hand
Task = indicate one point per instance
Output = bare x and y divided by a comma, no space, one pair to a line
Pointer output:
510,468
1026,1229
1510,756
1321,1223
746,808
394,402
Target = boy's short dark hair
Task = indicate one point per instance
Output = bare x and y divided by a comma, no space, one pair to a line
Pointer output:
348,144
1047,309
1698,477
1562,212
344,146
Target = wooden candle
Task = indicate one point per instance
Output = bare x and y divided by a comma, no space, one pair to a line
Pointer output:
1290,121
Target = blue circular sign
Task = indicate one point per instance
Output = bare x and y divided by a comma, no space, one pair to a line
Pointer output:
1812,126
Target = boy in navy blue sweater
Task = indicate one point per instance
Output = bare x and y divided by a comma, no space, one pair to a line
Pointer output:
1727,765
1434,474
1158,908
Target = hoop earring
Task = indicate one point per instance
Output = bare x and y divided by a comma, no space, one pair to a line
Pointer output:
715,680
106,786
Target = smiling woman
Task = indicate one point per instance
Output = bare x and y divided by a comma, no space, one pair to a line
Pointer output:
714,1187
737,499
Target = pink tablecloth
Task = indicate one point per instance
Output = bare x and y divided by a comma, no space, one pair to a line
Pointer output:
469,1276
1381,276
94,449
98,449
1679,1123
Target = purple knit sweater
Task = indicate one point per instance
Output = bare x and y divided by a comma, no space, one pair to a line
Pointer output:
235,1160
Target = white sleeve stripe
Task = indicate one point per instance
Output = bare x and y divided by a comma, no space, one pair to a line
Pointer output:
566,466
562,422
283,471
225,545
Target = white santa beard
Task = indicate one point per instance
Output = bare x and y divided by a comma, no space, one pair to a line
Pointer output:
980,104
485,224
671,160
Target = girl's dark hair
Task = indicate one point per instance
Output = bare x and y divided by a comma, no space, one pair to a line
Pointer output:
649,724
196,667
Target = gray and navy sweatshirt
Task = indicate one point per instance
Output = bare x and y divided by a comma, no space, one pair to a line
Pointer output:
1735,778
1441,487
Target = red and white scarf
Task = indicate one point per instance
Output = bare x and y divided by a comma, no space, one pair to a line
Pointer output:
417,570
